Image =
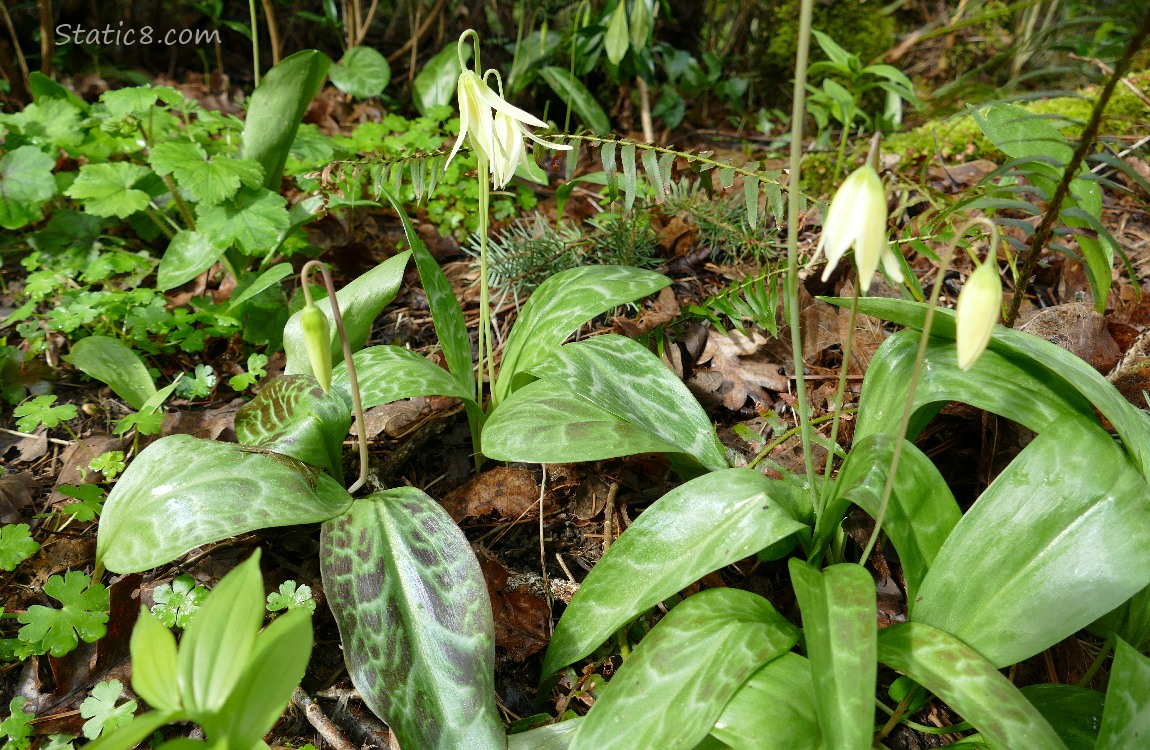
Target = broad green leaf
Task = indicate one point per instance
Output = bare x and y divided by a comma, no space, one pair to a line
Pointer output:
252,222
182,492
26,184
101,711
435,84
273,275
392,373
361,72
838,56
1064,372
359,304
559,307
275,668
968,683
82,614
1074,712
276,108
188,255
699,527
839,627
922,511
139,100
218,643
294,417
1126,722
1058,539
639,23
111,361
154,670
209,182
775,708
623,378
16,545
415,620
998,383
544,424
550,737
534,49
617,39
574,93
106,189
446,313
673,687
43,87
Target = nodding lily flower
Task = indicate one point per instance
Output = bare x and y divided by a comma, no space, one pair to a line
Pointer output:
857,217
494,128
977,311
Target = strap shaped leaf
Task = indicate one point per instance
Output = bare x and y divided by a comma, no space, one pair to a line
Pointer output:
1125,721
415,619
775,708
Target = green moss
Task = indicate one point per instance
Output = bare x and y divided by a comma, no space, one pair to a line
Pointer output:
959,138
858,27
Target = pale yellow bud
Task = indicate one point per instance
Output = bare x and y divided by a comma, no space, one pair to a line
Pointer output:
857,217
977,311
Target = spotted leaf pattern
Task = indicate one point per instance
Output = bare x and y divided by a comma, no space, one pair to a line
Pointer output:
294,417
623,378
673,687
182,492
774,708
391,373
415,620
701,526
559,307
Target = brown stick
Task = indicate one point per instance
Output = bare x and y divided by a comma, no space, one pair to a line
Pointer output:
1041,235
47,37
318,719
273,30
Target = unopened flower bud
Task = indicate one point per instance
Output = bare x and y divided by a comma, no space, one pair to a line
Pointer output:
317,339
977,311
857,216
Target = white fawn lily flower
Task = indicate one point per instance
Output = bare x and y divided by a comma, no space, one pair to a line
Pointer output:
494,128
976,313
857,217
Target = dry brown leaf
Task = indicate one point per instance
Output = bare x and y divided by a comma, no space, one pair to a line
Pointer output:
74,463
1078,329
819,324
738,371
393,419
521,617
504,492
213,424
17,491
28,447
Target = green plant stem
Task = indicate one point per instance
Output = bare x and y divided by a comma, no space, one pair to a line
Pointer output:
785,436
916,371
1041,235
155,215
255,42
484,335
895,716
352,379
1097,663
840,393
792,278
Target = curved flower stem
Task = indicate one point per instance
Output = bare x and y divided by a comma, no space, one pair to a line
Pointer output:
840,393
798,111
484,334
353,381
924,340
459,48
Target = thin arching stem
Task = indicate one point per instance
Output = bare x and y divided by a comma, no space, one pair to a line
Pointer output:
920,355
353,381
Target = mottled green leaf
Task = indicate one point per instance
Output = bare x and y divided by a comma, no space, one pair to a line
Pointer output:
182,492
1064,372
359,304
415,619
699,527
673,687
998,383
111,361
1058,539
1126,722
218,642
775,708
559,307
276,107
294,417
544,424
920,515
574,93
623,378
361,72
391,373
1130,621
839,626
968,683
188,255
